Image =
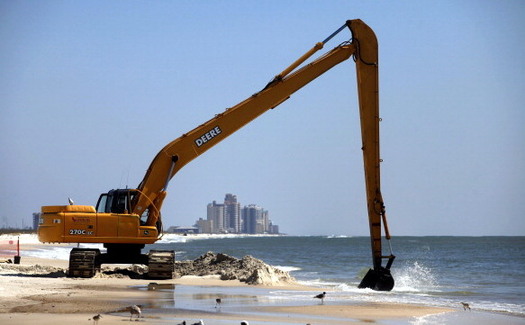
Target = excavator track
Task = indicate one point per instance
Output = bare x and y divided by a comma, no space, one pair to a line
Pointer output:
83,263
161,264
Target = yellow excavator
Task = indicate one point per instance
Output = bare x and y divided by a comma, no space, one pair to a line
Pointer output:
125,220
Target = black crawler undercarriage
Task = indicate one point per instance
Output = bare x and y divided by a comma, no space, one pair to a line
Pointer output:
86,262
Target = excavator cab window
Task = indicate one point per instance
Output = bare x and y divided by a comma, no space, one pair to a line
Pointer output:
115,201
102,203
120,203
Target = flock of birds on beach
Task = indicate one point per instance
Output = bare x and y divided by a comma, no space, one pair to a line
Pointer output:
135,310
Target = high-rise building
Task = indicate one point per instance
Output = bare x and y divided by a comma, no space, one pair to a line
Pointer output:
252,216
36,220
265,222
216,215
232,213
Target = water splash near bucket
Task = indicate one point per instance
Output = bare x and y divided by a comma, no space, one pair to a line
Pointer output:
415,278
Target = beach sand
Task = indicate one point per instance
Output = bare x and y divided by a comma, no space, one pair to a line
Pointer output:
52,298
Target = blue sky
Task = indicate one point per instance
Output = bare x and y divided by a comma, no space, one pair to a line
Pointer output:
90,91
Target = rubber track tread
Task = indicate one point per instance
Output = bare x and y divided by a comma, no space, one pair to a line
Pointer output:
83,264
161,264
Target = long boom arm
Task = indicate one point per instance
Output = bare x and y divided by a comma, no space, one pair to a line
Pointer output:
192,144
364,49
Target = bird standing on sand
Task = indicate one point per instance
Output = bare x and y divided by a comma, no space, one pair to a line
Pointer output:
245,322
321,296
465,306
218,302
201,322
96,318
134,310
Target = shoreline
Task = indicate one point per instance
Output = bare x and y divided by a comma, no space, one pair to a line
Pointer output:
48,298
27,298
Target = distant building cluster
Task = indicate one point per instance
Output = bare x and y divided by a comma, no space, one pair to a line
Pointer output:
230,217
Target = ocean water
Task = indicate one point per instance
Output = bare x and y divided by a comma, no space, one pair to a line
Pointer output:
486,272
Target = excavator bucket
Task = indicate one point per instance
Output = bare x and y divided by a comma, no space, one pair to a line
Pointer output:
378,279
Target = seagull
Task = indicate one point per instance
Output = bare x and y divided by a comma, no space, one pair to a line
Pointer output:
134,310
201,322
321,296
183,323
245,322
96,318
465,306
70,200
218,302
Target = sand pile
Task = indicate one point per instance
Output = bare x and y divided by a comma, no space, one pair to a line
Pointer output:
248,269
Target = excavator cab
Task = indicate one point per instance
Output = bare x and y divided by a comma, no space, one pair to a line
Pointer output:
120,201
